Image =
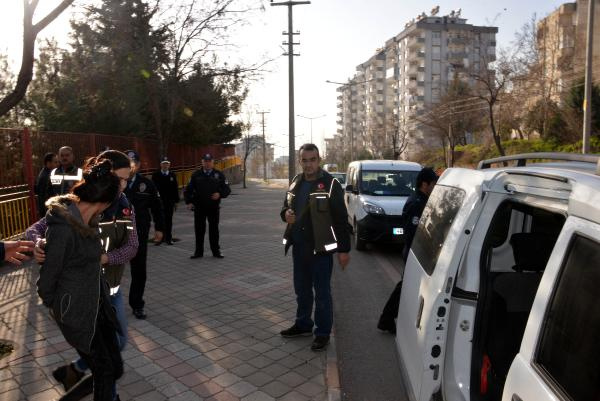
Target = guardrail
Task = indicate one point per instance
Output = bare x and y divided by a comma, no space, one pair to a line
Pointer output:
14,216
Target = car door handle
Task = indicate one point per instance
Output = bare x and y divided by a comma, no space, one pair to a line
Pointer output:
420,313
515,397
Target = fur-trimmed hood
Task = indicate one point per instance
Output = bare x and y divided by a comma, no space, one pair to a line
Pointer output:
62,209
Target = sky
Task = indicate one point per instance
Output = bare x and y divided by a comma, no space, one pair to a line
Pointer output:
335,36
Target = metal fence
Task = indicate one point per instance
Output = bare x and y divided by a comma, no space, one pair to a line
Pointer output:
22,153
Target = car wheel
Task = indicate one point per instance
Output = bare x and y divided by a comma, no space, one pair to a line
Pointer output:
359,244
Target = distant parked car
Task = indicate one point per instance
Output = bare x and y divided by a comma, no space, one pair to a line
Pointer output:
376,191
341,177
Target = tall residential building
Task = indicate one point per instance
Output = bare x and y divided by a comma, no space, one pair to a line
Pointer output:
404,78
561,42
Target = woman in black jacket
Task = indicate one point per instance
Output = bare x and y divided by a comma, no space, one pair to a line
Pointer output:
70,282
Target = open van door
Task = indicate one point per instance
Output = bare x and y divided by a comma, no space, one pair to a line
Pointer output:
443,233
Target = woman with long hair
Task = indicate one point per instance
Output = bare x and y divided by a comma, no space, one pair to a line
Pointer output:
71,282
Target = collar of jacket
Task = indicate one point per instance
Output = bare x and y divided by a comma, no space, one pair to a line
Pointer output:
64,206
300,177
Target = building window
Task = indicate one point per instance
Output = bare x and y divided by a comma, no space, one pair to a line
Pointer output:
435,52
568,350
436,67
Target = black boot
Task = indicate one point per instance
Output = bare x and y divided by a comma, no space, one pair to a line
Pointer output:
83,388
67,375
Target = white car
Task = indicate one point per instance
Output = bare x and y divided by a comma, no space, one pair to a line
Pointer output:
376,191
500,290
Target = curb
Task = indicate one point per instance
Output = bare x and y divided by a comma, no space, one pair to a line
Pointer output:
332,376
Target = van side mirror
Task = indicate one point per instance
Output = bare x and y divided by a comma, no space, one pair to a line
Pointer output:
349,188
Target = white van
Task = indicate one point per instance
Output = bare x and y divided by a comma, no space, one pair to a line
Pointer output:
500,291
376,191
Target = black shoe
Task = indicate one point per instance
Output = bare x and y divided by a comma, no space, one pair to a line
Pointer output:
157,243
295,331
169,242
67,375
196,256
84,388
139,314
320,343
218,255
387,325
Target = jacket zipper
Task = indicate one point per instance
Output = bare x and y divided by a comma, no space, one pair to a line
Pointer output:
97,309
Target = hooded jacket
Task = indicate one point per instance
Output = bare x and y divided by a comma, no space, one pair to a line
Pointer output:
327,213
70,282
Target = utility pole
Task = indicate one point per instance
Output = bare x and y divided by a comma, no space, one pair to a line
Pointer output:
587,102
264,145
290,53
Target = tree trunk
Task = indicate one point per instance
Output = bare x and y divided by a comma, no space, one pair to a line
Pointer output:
30,32
495,134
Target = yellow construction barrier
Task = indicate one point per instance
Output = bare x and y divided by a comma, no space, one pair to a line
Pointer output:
14,217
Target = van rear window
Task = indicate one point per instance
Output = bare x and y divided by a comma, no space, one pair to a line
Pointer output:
434,225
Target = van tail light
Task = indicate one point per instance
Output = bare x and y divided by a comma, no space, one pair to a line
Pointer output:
485,368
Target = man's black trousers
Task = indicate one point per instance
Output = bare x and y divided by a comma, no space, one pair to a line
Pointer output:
169,208
138,269
201,215
390,310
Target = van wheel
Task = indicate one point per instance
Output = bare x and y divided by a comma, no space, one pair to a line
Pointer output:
359,244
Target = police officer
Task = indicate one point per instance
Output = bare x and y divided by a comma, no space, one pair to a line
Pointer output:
317,227
203,195
166,183
64,177
146,202
411,214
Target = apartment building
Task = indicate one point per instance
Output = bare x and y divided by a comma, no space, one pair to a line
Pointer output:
393,90
561,42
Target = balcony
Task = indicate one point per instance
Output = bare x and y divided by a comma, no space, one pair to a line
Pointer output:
458,41
415,41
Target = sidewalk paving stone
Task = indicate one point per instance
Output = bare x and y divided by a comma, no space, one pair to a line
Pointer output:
213,325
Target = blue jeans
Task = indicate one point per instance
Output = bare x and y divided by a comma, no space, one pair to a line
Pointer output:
313,271
117,302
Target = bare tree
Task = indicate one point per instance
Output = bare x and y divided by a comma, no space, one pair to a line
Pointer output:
197,30
398,135
458,113
30,32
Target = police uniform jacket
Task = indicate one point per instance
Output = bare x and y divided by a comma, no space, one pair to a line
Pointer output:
144,197
411,213
203,185
328,215
167,187
62,180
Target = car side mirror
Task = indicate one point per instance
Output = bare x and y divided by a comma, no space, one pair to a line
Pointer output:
349,188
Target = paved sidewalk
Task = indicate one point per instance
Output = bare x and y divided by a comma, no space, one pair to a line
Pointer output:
213,325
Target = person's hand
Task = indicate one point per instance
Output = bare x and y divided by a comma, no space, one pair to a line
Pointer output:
13,251
190,206
343,259
290,216
215,196
38,252
104,259
158,236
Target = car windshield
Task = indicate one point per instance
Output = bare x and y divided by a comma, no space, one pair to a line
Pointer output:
341,177
388,183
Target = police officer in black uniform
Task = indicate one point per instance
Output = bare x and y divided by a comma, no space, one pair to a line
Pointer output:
411,213
166,183
145,199
203,195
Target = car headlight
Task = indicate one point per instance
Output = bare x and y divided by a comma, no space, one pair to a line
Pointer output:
373,208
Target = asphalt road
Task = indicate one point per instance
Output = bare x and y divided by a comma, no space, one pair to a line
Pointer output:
367,360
